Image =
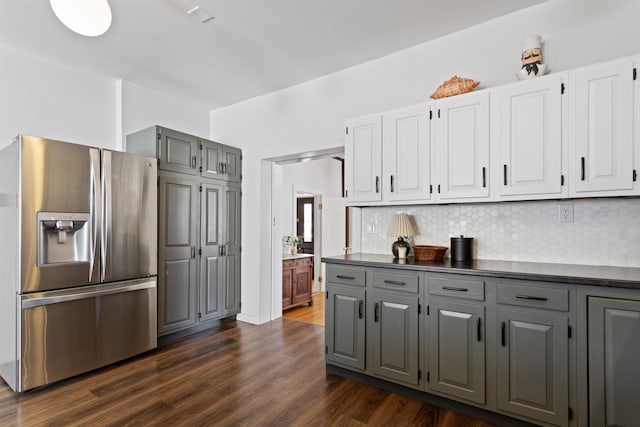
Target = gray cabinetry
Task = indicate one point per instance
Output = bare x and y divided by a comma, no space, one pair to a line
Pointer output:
177,239
199,227
345,317
533,351
456,337
392,326
221,161
614,347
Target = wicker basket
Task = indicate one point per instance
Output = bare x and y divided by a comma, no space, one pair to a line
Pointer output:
429,253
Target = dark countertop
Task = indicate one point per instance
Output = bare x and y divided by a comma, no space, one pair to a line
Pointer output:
620,277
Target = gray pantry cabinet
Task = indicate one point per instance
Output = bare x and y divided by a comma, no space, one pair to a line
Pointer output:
199,207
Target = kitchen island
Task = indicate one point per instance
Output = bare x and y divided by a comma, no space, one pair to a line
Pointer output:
550,344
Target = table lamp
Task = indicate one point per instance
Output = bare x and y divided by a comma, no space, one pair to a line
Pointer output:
400,227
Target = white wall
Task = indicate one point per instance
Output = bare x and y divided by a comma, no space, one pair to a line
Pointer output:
311,115
322,176
143,107
44,98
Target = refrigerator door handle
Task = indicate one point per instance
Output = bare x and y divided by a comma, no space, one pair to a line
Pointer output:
47,298
106,213
94,155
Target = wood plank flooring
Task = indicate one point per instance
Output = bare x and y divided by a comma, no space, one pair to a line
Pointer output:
310,314
236,374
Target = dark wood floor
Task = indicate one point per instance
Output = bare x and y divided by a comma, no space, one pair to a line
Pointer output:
237,374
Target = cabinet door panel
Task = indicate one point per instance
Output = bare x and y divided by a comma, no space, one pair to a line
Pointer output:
231,239
363,159
302,285
603,127
210,262
345,326
531,137
407,156
232,158
533,356
178,152
462,146
394,335
177,243
287,286
457,350
614,346
211,159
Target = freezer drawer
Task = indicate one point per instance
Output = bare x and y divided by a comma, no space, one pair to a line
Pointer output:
65,333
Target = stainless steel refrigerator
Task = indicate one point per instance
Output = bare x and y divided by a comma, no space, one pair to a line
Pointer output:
78,259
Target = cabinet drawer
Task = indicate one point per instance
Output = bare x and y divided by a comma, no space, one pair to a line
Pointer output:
287,263
405,282
456,287
346,275
534,296
302,261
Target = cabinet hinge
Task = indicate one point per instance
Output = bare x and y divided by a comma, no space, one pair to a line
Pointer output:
427,315
326,349
200,169
635,73
569,332
561,180
200,251
419,374
570,413
199,315
438,113
428,376
346,130
201,188
419,309
327,295
201,149
561,88
430,115
635,175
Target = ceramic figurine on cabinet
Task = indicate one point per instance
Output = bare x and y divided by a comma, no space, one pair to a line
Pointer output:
532,65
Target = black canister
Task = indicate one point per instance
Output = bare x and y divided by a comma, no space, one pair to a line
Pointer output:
461,249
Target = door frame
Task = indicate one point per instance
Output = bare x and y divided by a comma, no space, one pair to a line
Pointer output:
317,235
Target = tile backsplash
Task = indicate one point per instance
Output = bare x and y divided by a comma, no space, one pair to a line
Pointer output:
603,231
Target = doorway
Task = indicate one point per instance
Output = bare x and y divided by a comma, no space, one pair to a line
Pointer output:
306,192
304,223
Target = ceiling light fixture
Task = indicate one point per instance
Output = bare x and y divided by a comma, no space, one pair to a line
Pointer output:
201,14
86,17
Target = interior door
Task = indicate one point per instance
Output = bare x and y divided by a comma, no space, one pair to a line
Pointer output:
304,223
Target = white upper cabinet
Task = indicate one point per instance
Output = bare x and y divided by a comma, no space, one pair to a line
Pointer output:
462,147
406,154
530,135
363,159
602,140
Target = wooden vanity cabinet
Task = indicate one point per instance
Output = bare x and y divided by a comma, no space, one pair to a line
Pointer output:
297,280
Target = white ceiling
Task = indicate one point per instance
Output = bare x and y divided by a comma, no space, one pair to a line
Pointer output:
252,47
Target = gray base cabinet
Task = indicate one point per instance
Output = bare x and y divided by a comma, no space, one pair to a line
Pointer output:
345,326
393,332
457,349
614,354
198,229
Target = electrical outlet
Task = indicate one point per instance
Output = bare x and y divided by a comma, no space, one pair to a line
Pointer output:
371,226
565,213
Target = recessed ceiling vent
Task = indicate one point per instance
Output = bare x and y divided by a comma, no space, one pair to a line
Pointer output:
203,15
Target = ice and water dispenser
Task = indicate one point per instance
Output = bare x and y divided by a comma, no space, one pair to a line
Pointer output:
63,238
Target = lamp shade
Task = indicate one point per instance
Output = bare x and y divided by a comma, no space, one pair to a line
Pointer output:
401,226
